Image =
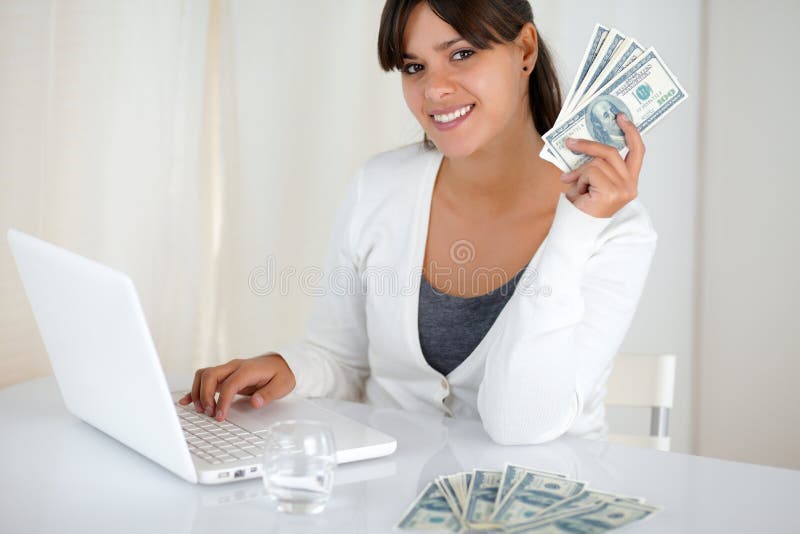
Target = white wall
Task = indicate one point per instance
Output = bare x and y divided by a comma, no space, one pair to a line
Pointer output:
748,400
310,106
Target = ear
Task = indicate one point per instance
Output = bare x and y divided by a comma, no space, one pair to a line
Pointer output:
528,43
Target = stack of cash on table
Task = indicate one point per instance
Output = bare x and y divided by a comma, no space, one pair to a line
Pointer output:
616,75
519,499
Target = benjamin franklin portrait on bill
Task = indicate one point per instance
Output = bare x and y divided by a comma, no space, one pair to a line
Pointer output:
601,120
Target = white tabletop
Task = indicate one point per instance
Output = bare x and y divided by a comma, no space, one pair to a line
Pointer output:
61,475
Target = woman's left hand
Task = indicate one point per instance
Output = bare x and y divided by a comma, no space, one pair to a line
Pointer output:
603,185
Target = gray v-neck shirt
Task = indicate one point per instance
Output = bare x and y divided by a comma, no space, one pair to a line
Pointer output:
451,327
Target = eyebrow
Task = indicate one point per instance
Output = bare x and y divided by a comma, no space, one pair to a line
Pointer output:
442,46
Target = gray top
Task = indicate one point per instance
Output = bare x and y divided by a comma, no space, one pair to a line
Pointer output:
451,327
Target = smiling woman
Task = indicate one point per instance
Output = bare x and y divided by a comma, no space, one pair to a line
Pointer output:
523,281
478,25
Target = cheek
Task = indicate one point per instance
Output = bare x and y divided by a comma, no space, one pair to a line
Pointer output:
413,98
497,93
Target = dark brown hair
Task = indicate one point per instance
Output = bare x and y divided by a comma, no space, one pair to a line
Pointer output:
481,23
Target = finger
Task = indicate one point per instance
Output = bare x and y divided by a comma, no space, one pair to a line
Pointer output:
276,388
570,177
592,179
636,149
598,150
590,168
196,390
602,167
617,187
210,382
235,383
578,188
186,399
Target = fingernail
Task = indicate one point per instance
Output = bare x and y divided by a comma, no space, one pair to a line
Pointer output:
570,141
198,407
220,415
258,400
624,117
209,411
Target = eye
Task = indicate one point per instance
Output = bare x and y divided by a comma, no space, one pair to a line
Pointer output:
461,55
411,68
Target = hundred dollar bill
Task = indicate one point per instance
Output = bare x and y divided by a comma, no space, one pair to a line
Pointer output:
599,34
481,497
548,155
600,69
430,511
511,475
592,520
450,493
581,502
645,92
464,480
604,56
534,493
629,52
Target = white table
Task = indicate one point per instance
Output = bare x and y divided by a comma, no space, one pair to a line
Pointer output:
59,475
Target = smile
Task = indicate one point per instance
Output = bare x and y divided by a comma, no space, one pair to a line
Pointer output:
448,121
450,117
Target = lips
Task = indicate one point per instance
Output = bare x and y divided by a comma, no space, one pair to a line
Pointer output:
449,118
451,109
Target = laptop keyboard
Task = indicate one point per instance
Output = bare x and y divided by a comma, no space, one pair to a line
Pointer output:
217,442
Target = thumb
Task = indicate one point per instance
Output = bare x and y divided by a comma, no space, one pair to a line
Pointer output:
267,394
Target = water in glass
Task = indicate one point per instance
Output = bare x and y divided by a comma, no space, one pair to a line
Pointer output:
299,461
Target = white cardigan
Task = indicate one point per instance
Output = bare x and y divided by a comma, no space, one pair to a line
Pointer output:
541,369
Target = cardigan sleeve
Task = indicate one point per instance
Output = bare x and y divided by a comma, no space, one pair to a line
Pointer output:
331,359
567,324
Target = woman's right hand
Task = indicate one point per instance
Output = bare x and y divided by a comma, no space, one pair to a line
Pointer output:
265,378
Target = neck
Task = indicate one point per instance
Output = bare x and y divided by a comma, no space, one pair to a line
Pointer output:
497,177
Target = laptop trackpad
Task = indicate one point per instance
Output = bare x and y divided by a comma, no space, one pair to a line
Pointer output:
354,441
242,413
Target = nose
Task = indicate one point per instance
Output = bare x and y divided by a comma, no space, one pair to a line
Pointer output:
439,86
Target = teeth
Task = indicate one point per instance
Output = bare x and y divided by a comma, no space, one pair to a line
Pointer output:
452,116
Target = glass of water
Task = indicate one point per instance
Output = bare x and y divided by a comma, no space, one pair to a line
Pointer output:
299,460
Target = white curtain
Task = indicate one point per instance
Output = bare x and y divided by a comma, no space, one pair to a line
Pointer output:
191,144
102,106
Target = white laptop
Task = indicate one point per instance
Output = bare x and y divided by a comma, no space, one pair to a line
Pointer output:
107,368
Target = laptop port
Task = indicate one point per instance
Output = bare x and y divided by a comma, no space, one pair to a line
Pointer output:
239,473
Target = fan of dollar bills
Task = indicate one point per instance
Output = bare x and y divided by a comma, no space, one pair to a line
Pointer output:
616,75
519,499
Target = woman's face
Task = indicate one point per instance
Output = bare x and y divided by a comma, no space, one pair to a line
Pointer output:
464,98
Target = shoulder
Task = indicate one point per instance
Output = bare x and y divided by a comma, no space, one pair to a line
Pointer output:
396,175
399,158
399,165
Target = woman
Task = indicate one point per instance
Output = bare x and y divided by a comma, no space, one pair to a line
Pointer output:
529,353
